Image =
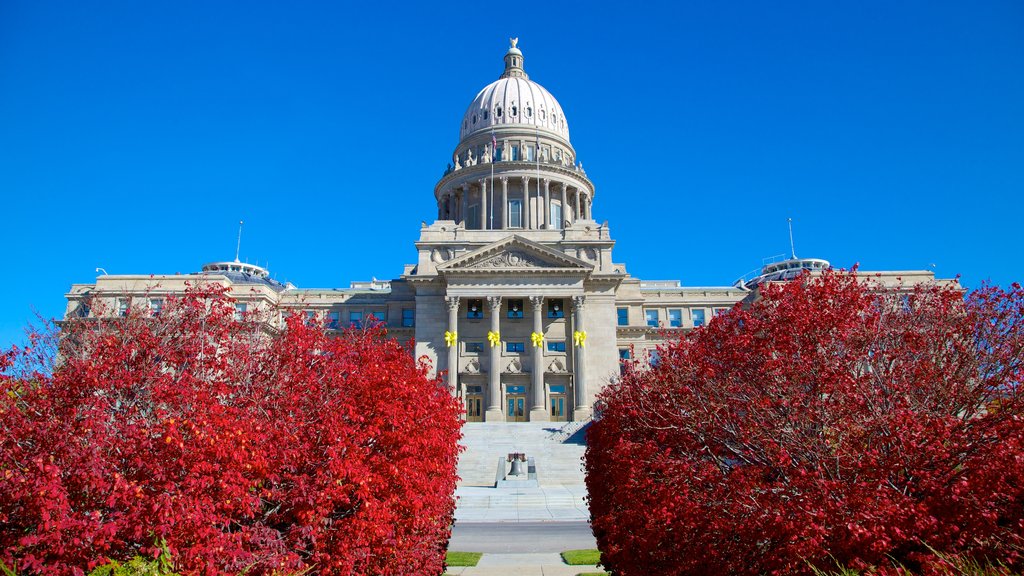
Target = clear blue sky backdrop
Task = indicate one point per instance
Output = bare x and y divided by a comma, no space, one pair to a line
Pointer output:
134,135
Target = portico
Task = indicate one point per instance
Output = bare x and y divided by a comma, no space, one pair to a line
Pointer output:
513,307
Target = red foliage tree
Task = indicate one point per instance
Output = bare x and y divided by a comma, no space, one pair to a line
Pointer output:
241,448
833,420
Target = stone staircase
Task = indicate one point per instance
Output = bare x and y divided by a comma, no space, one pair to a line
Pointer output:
557,449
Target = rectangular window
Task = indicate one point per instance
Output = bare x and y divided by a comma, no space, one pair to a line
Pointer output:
355,319
515,153
83,310
698,317
240,309
377,316
623,314
475,309
515,309
473,217
652,317
720,311
675,318
497,154
654,357
556,346
156,306
333,320
408,317
515,347
556,309
556,216
530,153
515,213
474,347
310,317
624,354
122,306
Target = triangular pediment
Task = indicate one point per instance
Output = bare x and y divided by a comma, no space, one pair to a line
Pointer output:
517,255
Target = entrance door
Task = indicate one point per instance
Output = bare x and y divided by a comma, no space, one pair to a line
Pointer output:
516,408
474,398
557,403
557,407
515,402
474,408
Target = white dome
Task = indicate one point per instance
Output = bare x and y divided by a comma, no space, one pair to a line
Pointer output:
514,100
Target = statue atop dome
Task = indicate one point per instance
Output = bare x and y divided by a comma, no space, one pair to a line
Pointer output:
512,42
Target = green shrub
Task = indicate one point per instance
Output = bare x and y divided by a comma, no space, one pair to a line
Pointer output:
139,566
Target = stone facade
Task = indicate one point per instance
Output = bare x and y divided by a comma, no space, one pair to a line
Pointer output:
515,294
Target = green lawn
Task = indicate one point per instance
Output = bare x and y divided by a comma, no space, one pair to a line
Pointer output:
463,558
581,557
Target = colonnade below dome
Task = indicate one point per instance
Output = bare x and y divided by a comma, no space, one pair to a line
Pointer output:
514,202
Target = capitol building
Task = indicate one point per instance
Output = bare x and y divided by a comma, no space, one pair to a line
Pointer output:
515,295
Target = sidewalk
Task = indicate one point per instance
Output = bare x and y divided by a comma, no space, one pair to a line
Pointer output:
560,502
521,565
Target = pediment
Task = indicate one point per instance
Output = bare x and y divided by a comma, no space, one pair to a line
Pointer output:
515,254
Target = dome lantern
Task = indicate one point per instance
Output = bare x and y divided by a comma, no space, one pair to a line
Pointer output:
514,61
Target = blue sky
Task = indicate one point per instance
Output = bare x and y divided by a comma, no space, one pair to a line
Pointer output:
135,135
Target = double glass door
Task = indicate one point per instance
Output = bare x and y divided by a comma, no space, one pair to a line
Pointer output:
557,403
474,404
558,407
515,404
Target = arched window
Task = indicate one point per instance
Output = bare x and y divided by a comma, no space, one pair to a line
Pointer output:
514,110
485,114
498,112
474,119
529,111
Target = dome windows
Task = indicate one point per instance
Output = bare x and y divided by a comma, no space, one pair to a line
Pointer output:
474,119
497,112
543,115
529,111
514,110
485,114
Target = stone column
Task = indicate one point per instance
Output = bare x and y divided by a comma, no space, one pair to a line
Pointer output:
504,202
547,203
527,220
464,207
483,203
453,350
582,410
565,207
579,203
494,370
537,410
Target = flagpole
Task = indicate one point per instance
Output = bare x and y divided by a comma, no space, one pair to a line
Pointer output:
536,156
490,195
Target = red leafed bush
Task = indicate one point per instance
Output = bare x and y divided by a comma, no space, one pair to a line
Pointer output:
833,421
241,448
